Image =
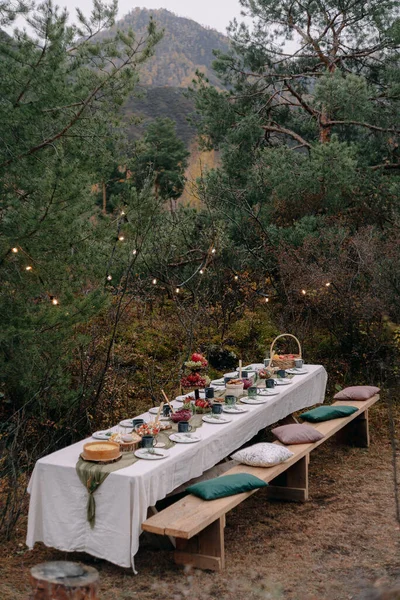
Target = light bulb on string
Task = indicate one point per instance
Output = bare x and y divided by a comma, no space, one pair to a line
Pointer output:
201,271
177,290
303,292
154,281
266,299
328,284
122,213
109,277
28,268
236,277
54,301
121,238
15,250
213,251
134,252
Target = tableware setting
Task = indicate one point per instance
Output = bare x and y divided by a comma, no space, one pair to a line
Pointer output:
234,409
185,438
296,371
216,419
257,400
102,435
266,392
151,454
283,381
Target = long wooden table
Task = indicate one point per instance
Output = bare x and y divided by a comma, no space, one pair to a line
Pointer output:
57,511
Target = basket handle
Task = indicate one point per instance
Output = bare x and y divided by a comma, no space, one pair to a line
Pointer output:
280,336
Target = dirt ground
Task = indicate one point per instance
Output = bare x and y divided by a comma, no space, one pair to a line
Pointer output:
343,544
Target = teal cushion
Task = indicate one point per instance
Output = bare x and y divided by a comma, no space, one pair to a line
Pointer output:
226,485
326,413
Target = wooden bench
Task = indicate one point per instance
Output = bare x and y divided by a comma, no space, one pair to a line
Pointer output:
198,525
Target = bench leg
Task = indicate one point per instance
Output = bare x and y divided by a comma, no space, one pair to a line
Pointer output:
292,484
356,433
205,550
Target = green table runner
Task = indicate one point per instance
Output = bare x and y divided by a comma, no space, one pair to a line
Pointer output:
92,474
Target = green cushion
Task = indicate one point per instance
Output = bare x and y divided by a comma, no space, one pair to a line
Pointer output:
226,485
326,413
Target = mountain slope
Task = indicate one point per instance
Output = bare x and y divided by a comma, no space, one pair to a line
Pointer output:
185,48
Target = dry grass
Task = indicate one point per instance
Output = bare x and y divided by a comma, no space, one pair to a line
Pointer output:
342,544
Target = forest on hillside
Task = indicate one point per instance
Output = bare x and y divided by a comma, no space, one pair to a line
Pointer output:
109,283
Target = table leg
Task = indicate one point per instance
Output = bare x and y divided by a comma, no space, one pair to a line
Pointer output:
205,550
292,484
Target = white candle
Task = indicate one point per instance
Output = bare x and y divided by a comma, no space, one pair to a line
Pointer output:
159,412
240,369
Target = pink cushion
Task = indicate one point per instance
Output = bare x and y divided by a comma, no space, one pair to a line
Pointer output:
297,434
357,392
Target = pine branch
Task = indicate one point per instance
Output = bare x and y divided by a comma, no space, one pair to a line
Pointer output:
289,132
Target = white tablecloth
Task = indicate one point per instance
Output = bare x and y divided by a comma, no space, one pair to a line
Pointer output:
57,510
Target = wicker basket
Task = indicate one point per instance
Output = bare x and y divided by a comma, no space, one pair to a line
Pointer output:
285,362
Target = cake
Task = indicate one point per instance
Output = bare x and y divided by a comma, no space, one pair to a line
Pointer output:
101,451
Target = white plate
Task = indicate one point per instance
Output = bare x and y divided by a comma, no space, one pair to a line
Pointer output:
235,409
102,435
216,419
283,381
146,455
267,392
258,400
297,371
153,410
218,382
254,367
234,374
126,423
184,438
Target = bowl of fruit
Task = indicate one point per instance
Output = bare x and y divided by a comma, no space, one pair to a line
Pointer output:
202,405
184,414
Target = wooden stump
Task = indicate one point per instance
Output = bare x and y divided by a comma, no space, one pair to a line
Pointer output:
63,580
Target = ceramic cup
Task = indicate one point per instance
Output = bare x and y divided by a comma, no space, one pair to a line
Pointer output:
184,427
267,362
148,441
281,373
245,374
252,392
209,392
298,363
166,411
227,378
230,400
137,423
216,408
270,383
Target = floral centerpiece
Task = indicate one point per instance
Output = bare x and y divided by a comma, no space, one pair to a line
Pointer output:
194,379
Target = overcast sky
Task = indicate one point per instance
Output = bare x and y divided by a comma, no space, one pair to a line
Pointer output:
214,13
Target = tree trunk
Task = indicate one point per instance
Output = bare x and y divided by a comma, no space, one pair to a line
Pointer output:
62,580
104,197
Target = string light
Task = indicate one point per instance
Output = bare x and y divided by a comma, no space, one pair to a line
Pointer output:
236,277
134,252
178,290
28,268
54,301
121,238
328,284
201,271
109,277
15,250
267,299
122,213
303,292
213,251
154,281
